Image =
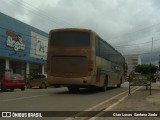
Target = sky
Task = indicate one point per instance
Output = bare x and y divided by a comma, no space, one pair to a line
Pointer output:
128,25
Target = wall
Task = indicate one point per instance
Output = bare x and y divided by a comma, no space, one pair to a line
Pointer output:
21,41
132,61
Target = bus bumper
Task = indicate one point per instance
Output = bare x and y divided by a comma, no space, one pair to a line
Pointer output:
83,81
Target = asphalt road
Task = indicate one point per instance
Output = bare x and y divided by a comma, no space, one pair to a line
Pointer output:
54,99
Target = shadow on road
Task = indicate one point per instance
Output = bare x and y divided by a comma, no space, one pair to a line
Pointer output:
7,91
84,91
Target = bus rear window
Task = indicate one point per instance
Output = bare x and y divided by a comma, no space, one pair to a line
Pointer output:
70,38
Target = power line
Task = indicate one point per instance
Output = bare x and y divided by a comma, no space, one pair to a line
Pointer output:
133,44
131,33
43,14
56,18
137,43
141,53
45,39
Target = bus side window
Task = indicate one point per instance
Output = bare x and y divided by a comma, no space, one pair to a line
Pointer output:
97,47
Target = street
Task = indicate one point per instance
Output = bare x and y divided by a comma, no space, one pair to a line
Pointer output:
55,99
61,100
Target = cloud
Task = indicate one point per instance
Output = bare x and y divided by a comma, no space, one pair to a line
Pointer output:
122,23
9,7
24,18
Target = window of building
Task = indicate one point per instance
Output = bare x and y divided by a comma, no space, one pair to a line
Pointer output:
18,67
35,68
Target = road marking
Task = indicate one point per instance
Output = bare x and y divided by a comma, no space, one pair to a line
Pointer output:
89,109
113,105
24,98
101,105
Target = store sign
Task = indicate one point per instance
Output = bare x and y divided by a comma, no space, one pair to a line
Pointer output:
14,41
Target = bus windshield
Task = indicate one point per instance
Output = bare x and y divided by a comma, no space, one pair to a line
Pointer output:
70,38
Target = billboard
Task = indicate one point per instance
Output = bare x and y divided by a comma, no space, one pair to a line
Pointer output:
39,46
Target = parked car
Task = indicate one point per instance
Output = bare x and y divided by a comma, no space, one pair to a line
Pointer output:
39,80
12,81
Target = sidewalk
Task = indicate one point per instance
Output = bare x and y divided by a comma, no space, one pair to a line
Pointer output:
139,101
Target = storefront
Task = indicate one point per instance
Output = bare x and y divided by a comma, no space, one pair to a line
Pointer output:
35,68
23,48
18,67
2,66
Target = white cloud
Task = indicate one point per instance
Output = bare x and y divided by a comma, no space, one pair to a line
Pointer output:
120,22
23,18
40,3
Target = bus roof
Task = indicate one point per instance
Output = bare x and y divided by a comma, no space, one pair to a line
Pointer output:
68,29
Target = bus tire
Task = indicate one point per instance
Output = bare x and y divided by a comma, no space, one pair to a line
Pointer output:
73,88
105,85
119,85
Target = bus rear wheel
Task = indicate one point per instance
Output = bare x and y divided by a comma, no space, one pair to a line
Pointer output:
105,85
119,85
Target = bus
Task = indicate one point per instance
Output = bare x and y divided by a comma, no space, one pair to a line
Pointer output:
80,58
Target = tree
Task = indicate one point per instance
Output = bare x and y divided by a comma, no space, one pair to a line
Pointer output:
146,69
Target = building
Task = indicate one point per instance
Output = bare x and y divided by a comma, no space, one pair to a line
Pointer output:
23,48
132,61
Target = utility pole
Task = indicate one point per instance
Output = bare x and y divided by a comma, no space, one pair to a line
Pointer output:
159,63
150,65
151,51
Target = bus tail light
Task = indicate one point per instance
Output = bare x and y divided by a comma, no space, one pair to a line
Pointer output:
48,65
90,65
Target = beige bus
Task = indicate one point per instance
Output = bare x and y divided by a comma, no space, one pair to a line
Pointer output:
79,58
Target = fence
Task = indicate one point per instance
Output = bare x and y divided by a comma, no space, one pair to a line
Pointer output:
139,80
